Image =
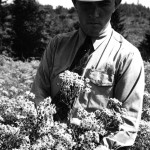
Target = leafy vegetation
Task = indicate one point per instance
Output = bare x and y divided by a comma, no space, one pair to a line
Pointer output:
28,21
16,77
118,21
144,46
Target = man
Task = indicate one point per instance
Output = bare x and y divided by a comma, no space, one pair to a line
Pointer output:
113,65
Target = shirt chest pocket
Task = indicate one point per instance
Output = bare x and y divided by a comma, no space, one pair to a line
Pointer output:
101,78
101,88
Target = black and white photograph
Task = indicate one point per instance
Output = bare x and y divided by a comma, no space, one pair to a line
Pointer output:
74,75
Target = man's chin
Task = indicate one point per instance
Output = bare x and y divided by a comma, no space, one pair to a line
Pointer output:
93,34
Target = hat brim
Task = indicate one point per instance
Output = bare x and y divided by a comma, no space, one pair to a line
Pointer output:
90,0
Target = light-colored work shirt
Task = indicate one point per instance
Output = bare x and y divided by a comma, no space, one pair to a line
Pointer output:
115,70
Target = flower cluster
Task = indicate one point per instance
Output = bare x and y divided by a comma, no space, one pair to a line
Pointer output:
146,107
24,127
18,117
56,136
72,84
95,125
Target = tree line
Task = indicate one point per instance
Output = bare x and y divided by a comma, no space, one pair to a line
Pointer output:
26,26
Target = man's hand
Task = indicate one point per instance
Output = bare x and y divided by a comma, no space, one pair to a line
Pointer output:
101,147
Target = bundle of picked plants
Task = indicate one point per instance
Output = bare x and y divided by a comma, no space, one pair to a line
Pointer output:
91,127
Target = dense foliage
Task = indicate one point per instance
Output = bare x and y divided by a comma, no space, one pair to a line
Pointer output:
28,22
5,27
26,26
145,45
16,77
118,21
26,127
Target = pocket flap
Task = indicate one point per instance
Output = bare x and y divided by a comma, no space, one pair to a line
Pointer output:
101,78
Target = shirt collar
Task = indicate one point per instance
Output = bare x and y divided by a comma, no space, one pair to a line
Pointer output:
82,36
105,34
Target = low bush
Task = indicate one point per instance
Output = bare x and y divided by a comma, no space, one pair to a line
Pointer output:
16,77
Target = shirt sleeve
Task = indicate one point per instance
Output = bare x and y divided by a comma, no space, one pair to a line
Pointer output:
41,86
129,88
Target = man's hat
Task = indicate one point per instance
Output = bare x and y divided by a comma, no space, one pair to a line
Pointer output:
118,1
90,0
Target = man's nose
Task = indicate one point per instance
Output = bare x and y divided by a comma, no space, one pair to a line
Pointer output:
94,11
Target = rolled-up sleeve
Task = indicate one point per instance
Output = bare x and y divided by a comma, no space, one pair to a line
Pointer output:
129,88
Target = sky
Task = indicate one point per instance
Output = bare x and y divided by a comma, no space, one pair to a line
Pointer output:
68,3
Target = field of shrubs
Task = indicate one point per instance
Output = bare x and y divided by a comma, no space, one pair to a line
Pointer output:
16,77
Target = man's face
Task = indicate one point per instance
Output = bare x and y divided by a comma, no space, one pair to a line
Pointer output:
94,16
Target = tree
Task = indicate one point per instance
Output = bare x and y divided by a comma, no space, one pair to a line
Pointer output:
117,21
72,10
28,22
3,14
144,46
60,10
